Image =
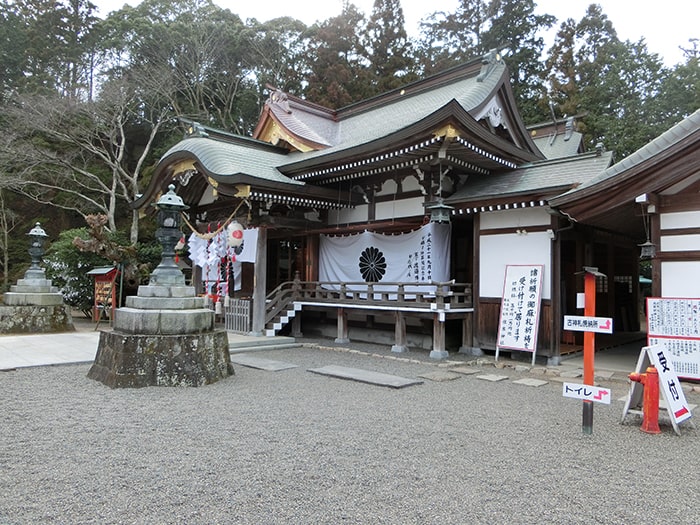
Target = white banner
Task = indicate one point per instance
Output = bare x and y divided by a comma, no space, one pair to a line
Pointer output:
422,255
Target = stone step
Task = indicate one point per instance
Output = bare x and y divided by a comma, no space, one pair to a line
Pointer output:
247,343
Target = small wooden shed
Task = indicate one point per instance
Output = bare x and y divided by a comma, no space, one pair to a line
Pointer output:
105,291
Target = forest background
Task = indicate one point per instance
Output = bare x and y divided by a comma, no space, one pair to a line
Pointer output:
90,104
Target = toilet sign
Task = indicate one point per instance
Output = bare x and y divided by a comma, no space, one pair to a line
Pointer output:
579,323
587,393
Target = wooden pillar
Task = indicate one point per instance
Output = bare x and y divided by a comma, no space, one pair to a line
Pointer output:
296,293
556,298
476,292
310,271
656,290
611,272
468,336
296,325
439,351
342,327
260,284
400,339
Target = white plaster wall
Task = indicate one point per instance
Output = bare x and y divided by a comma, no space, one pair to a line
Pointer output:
399,208
680,279
410,184
388,188
515,219
680,243
498,251
683,219
349,215
383,211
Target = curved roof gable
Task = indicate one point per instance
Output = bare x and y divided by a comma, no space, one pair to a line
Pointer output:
480,87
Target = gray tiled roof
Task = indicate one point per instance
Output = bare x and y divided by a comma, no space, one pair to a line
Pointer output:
307,128
540,177
222,158
559,147
362,127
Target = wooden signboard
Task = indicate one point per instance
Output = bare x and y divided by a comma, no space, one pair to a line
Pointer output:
105,296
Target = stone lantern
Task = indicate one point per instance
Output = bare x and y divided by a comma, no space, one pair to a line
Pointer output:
37,238
34,305
165,334
170,205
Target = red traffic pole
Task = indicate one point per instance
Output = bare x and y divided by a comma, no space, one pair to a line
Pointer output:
588,349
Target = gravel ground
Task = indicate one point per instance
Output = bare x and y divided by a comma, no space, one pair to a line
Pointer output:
296,447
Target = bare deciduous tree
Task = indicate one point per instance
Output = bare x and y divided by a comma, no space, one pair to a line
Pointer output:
82,156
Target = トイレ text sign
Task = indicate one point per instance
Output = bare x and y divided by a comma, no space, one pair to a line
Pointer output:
587,393
578,323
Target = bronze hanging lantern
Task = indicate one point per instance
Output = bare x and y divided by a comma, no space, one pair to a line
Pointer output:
440,212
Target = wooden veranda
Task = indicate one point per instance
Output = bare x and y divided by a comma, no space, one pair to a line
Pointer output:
438,301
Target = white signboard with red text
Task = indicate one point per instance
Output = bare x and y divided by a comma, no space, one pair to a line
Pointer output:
670,388
587,393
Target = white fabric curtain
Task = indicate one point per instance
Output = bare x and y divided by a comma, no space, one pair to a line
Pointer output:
422,256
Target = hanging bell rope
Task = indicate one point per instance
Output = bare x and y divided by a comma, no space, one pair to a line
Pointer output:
210,235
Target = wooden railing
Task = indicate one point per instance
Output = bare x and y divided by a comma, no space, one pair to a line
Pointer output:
237,315
431,296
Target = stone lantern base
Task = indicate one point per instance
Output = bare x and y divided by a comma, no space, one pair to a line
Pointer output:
33,305
164,336
134,361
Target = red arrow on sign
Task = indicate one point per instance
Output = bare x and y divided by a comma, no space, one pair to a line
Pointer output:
605,326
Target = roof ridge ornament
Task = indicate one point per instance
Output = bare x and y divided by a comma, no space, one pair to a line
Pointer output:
488,63
281,99
195,129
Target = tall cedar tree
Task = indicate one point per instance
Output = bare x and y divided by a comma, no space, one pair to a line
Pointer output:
49,44
192,48
612,85
477,27
680,93
338,73
387,47
277,53
448,39
515,29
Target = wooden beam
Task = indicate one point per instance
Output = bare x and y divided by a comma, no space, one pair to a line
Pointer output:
260,284
438,351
